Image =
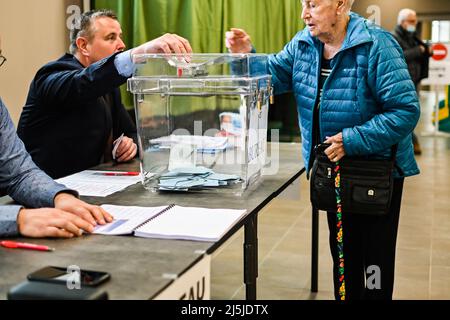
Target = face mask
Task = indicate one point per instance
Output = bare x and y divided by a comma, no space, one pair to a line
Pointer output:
411,28
227,126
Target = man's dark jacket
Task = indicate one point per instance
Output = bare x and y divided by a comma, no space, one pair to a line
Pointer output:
73,114
418,61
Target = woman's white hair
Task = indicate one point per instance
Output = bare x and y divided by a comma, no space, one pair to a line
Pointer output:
350,4
403,15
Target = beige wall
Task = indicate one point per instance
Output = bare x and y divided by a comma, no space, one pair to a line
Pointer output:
390,9
33,33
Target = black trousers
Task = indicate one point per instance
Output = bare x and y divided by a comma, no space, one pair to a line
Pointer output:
369,251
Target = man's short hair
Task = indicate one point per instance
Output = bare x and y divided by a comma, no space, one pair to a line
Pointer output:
83,26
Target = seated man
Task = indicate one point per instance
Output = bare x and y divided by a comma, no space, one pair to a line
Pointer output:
73,111
25,183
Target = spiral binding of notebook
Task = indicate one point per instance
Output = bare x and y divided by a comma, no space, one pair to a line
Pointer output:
155,216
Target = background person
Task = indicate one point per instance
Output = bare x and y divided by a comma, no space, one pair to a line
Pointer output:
417,53
74,112
61,213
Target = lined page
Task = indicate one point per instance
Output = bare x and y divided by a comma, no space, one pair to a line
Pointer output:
126,219
198,224
97,184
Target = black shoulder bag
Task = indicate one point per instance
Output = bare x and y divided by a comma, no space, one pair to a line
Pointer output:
366,185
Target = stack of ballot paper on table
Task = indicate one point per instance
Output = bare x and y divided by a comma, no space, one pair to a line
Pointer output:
195,178
204,144
99,183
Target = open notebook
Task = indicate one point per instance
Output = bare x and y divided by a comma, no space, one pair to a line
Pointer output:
170,222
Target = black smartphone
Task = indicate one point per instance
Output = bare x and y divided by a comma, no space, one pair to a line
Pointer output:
63,275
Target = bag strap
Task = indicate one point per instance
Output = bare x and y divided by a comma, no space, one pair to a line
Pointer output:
394,150
340,233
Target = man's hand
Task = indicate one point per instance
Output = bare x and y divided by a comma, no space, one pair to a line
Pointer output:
426,49
54,223
92,214
336,151
168,43
127,150
238,41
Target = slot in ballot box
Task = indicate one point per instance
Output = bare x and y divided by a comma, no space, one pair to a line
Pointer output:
202,120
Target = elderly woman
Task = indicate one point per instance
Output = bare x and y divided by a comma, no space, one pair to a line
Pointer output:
353,90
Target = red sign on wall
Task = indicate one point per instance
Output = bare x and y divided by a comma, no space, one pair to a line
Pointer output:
440,51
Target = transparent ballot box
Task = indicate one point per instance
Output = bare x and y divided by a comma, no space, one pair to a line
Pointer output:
202,120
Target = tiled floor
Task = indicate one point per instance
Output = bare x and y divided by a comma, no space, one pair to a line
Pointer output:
423,247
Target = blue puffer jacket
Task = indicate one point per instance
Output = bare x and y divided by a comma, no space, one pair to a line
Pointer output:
369,96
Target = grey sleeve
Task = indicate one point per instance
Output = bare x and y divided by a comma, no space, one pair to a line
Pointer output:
8,221
20,178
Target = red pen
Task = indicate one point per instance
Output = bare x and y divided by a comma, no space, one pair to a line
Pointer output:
21,245
120,174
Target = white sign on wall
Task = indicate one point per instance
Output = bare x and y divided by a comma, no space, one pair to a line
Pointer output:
439,73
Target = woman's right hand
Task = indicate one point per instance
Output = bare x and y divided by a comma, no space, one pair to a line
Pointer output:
238,41
51,223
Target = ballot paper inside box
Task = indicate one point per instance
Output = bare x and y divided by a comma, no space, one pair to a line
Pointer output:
202,113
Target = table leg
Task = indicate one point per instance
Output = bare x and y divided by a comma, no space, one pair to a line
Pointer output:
251,257
315,250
